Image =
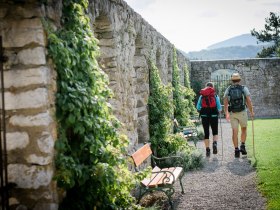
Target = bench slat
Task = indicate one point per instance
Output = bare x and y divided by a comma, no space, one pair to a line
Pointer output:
141,154
157,179
147,180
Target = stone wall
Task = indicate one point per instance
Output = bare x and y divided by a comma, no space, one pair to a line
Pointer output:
261,76
126,42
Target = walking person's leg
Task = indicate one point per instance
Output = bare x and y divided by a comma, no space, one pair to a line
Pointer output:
214,126
243,124
234,121
205,124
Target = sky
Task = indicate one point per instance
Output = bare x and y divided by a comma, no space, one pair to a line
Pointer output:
193,25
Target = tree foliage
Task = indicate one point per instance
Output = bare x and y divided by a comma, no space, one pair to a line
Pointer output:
160,112
181,103
161,107
189,93
90,162
271,34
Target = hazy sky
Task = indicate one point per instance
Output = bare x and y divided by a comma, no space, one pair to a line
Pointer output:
192,25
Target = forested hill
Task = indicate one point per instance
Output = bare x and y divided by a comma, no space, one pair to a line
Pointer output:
238,47
235,52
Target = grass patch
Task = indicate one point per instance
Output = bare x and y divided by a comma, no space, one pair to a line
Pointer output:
267,153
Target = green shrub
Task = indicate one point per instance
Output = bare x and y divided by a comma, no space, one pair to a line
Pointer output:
182,106
160,112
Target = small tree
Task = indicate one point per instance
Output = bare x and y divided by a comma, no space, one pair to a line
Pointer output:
181,104
189,97
270,34
160,112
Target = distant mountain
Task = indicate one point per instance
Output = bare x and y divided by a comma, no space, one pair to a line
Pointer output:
235,52
241,40
238,47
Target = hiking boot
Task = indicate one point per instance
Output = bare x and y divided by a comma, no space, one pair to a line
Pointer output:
207,152
215,150
237,153
243,149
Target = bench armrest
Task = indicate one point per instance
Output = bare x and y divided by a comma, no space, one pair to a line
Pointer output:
176,160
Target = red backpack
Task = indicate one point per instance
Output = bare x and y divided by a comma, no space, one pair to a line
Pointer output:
208,97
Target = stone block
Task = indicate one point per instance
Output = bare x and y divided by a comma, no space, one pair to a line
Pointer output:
139,61
46,143
17,140
22,78
29,177
46,206
39,160
35,56
19,33
29,99
42,119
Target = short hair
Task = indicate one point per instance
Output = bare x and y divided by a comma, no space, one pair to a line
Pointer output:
209,84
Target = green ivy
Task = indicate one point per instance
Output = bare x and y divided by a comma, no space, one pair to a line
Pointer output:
181,103
90,162
160,112
189,93
161,109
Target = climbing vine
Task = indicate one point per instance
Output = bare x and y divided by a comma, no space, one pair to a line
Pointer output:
189,93
181,104
160,112
164,143
90,162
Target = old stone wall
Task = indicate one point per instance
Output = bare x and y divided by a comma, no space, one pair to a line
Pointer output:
261,76
30,86
126,42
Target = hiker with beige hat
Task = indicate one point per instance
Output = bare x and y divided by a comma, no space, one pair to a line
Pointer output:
236,99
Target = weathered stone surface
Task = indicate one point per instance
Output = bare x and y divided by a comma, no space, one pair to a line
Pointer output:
29,177
46,206
39,160
17,140
22,78
35,56
20,33
46,143
29,99
42,119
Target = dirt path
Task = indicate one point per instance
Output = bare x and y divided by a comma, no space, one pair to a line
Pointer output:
224,182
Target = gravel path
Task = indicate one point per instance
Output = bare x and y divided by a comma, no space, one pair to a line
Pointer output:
224,182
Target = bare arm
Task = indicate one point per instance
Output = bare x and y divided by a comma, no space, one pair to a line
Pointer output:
226,108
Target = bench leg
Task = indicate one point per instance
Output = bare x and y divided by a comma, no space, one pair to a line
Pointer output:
181,184
169,192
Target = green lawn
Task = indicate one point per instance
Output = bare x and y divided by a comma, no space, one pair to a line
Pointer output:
267,152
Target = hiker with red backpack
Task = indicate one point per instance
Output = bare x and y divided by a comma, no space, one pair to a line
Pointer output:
209,107
236,98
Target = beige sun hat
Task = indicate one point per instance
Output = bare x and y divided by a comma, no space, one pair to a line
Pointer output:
235,76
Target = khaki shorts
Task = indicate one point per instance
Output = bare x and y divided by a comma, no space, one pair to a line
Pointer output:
238,118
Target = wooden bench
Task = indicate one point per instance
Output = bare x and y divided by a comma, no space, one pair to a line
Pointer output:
161,179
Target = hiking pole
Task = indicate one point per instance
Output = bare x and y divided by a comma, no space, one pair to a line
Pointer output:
222,137
253,133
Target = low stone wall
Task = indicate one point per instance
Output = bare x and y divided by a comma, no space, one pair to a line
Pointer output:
126,42
261,76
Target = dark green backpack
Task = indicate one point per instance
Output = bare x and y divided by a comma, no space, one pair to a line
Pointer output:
236,98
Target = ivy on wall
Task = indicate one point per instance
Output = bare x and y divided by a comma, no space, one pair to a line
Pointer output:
90,162
160,112
189,93
181,104
161,109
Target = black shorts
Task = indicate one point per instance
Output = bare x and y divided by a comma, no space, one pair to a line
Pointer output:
207,122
